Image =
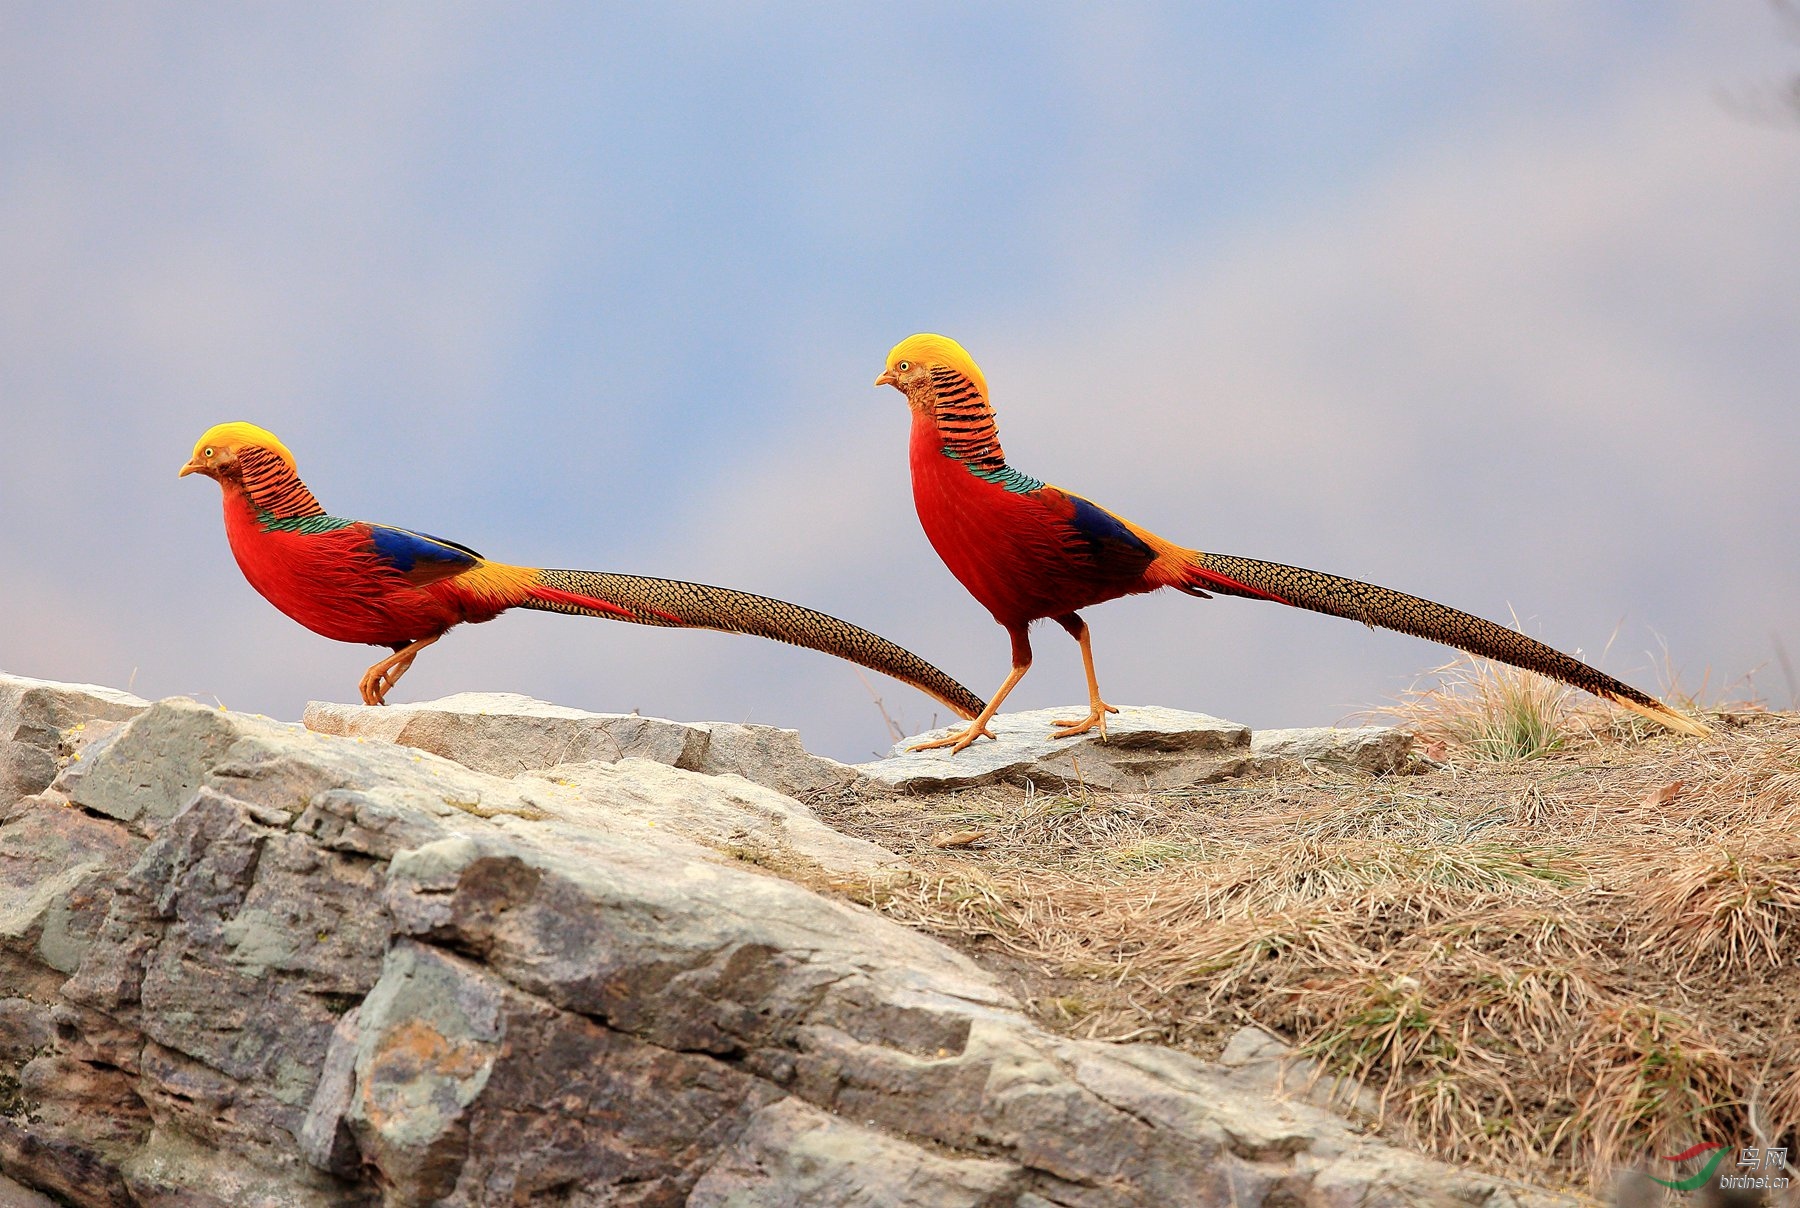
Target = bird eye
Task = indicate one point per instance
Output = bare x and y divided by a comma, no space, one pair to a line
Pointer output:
903,366
209,451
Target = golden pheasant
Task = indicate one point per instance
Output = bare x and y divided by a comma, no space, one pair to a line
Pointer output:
361,582
1029,551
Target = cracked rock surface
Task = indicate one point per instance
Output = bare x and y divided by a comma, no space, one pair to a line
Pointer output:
243,962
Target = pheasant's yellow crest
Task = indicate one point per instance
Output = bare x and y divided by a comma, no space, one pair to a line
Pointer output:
240,435
928,349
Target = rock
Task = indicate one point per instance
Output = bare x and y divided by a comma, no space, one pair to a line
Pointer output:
1262,1062
154,764
1378,750
58,867
316,970
1145,747
42,722
48,1157
15,1195
793,1153
726,812
870,1022
690,955
234,932
470,1092
504,734
25,1028
172,1170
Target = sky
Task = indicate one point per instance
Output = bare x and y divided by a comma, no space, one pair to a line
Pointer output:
1495,303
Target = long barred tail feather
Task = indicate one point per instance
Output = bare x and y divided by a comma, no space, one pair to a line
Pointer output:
677,604
1388,609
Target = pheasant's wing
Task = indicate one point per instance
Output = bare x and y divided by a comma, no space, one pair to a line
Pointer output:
1101,543
422,558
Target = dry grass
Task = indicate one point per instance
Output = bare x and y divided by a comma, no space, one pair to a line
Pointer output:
1487,710
1549,964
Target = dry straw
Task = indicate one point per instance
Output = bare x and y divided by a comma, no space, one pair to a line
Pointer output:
1565,945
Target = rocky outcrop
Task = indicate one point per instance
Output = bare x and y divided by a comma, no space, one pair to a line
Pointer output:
1144,749
42,723
1377,750
248,963
504,733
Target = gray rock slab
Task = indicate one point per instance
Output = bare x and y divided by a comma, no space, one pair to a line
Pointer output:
504,734
51,706
1265,1063
58,867
1145,747
727,813
1378,750
42,725
793,1153
153,766
685,952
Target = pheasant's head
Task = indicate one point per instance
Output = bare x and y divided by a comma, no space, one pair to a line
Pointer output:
217,453
919,366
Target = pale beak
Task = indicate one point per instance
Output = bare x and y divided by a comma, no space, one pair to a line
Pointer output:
888,379
193,467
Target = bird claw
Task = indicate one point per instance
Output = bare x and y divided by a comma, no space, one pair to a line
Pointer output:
375,687
955,742
380,679
1095,717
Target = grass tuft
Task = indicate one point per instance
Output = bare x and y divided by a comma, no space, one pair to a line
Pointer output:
1488,710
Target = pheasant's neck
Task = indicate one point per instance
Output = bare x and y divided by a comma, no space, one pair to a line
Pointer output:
965,423
274,489
937,459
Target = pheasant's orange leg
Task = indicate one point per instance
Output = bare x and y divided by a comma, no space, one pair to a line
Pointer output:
1097,708
978,728
380,679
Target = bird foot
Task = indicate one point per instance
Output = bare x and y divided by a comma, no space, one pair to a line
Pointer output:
957,741
380,679
1095,717
374,687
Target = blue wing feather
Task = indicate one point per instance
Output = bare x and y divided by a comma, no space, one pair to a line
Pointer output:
1100,526
1113,549
420,556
